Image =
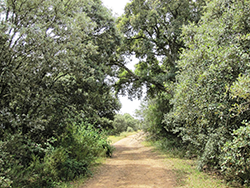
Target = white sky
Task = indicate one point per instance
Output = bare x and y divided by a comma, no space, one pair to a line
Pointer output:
117,7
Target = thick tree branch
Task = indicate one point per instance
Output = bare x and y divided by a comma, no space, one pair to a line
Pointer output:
138,78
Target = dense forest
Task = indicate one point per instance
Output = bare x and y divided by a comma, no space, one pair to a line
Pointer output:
63,65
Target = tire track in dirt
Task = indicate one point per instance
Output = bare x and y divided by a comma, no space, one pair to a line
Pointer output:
132,166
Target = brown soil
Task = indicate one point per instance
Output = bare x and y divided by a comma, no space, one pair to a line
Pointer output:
133,166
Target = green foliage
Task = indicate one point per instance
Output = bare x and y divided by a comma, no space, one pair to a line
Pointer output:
152,32
241,90
53,64
235,153
56,68
130,129
152,113
124,123
235,161
211,99
119,124
46,165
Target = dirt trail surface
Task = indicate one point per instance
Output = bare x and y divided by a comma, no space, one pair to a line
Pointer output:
133,166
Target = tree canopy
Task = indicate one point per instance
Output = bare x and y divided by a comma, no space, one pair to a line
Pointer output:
209,103
125,122
55,82
55,57
64,62
152,31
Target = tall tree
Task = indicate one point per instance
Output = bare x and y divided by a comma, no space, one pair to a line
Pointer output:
54,57
55,71
217,53
152,31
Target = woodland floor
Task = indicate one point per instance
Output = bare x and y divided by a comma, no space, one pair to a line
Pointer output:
133,166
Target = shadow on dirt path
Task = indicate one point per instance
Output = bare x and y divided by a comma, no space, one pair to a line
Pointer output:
133,165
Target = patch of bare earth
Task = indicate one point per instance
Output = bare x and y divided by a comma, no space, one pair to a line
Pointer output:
133,165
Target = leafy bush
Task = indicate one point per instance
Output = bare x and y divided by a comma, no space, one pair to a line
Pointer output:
27,164
235,162
217,53
16,153
211,96
130,129
123,122
52,84
152,114
172,144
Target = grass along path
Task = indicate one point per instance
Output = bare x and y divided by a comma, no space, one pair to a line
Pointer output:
96,167
133,166
186,173
183,172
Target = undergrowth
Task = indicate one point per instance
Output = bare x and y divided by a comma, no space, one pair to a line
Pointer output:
26,164
184,167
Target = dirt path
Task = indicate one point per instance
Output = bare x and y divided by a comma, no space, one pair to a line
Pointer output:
132,166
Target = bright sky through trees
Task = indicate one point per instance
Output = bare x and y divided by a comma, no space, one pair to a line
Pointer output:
117,7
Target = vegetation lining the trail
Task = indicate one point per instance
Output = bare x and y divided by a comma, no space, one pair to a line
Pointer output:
184,170
55,89
62,61
125,123
194,61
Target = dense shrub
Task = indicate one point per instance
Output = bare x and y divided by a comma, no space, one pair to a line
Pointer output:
124,123
54,89
211,94
130,129
235,162
152,114
32,165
